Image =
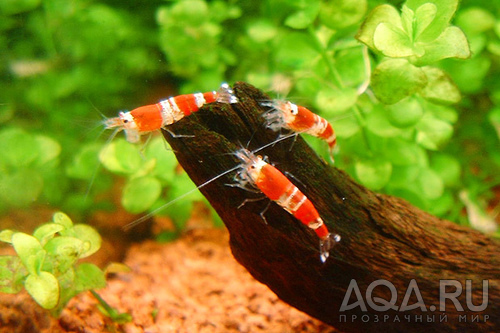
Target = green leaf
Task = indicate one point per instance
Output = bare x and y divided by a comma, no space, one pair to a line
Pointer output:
377,122
394,79
447,168
380,14
346,127
452,43
335,101
28,249
469,75
475,20
90,237
430,184
262,30
49,149
433,132
303,17
402,152
62,219
6,235
424,16
340,14
85,162
140,193
65,250
120,156
392,41
405,113
440,88
166,162
402,175
19,148
46,231
444,12
89,276
22,187
374,174
44,289
287,56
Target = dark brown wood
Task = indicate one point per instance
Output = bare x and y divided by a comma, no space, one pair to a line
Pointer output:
382,237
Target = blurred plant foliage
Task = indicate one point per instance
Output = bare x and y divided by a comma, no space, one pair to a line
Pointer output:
409,87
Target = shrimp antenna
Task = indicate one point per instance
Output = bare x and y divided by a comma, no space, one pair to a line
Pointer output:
147,216
96,170
152,213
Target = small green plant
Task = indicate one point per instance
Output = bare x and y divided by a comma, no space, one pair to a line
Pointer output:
29,168
148,173
46,262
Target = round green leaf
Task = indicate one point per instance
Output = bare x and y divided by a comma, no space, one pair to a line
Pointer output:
140,194
48,147
91,238
440,88
44,289
394,79
452,43
392,41
377,122
21,187
380,14
339,14
287,55
89,276
448,168
262,30
475,20
304,16
405,113
335,101
374,174
19,148
62,219
85,162
442,204
46,231
6,235
166,162
403,175
346,127
443,14
65,246
430,184
433,132
402,152
120,156
27,248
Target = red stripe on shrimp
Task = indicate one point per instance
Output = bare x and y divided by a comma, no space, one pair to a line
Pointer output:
254,171
286,115
148,118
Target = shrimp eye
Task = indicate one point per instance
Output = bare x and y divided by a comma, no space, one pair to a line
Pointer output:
294,109
125,121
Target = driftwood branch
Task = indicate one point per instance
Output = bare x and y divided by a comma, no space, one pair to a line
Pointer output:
383,238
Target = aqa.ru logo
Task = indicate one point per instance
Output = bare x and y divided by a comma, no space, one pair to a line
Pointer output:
380,304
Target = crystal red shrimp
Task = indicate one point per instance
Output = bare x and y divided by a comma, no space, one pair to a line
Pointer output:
148,118
285,114
256,172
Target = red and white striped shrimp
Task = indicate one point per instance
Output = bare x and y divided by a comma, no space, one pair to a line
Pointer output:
148,118
256,172
285,114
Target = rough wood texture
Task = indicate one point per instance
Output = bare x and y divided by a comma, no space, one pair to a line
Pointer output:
382,237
